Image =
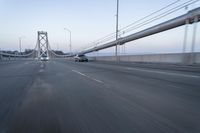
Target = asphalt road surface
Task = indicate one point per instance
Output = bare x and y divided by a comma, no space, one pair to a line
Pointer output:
62,96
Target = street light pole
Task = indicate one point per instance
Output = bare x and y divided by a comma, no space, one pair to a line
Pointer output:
20,45
117,28
70,40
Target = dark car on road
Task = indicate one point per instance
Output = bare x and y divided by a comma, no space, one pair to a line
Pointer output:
80,58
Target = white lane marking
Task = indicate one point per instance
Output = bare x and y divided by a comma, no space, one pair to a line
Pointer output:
41,70
26,63
79,73
175,86
99,81
166,73
42,65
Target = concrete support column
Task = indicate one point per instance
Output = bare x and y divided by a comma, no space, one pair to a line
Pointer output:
194,41
194,34
185,36
184,57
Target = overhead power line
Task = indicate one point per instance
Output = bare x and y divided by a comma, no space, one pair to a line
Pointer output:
161,15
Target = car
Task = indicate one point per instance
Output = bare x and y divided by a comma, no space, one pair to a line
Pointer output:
80,58
44,58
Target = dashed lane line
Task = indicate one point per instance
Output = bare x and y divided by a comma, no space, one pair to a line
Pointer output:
99,81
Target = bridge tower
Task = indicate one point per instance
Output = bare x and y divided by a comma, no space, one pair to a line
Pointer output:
42,44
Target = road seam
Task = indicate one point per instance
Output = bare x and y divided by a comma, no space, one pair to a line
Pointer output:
166,73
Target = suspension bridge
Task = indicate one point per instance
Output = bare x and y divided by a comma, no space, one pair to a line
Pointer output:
43,48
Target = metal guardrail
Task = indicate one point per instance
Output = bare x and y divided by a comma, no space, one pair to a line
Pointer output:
6,55
13,55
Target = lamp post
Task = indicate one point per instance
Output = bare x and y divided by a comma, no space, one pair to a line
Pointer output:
20,43
70,40
117,28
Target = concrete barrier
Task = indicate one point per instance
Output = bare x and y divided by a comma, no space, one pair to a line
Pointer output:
177,58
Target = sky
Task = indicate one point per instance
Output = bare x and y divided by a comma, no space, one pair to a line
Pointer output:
88,21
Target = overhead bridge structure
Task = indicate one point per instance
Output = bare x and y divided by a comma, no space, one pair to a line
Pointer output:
42,44
191,17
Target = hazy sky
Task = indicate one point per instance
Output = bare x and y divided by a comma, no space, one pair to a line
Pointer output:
87,19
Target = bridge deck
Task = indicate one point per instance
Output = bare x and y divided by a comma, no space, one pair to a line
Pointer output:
64,96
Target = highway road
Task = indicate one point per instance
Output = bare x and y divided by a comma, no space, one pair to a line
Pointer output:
61,96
